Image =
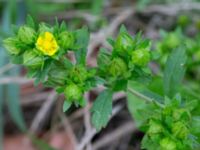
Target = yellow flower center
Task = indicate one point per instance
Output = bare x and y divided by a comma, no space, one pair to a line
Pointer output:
47,44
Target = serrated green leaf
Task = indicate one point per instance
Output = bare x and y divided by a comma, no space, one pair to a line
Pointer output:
82,39
174,71
102,109
66,105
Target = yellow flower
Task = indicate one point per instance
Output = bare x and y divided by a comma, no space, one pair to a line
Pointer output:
47,44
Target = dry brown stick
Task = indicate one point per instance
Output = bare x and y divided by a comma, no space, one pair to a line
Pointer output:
77,14
89,135
172,9
87,116
41,115
6,68
100,37
126,128
15,80
69,129
86,139
79,113
31,100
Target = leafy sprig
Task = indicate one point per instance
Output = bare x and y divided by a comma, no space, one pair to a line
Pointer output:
167,119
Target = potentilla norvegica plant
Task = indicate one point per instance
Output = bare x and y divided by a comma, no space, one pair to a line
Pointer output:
169,121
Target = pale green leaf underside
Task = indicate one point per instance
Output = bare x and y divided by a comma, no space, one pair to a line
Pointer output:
174,71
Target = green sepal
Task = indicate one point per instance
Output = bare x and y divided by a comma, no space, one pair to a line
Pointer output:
66,40
32,60
26,35
11,45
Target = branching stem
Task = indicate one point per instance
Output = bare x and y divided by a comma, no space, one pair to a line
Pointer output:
147,99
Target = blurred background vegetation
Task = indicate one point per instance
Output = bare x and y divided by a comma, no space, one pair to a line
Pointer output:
151,16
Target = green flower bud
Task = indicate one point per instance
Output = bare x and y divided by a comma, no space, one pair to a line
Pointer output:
180,130
66,40
11,46
172,41
154,127
124,42
32,59
167,144
78,74
26,35
57,76
73,92
117,67
140,57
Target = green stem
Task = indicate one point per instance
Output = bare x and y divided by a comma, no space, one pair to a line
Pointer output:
147,99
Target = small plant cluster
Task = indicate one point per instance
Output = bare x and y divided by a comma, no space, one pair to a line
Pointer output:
169,122
171,128
127,61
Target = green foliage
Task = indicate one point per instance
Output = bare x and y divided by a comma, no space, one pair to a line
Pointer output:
168,121
15,111
137,106
167,131
102,109
118,66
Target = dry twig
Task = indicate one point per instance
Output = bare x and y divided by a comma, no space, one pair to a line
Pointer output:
15,80
41,116
126,128
89,135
